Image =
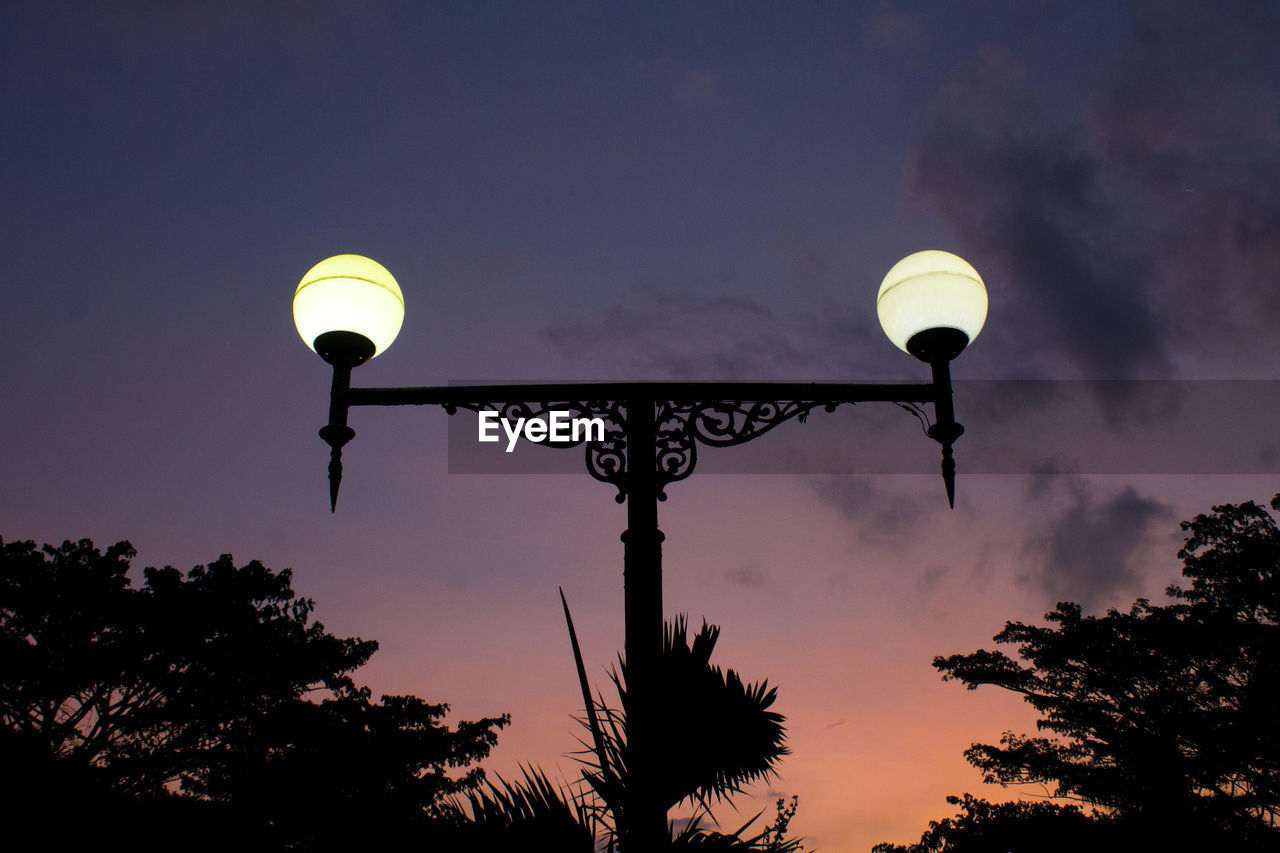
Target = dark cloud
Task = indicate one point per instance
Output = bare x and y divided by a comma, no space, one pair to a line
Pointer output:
1191,119
747,576
1024,197
1092,552
685,336
931,578
881,517
1137,237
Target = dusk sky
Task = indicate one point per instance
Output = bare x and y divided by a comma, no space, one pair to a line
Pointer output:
593,191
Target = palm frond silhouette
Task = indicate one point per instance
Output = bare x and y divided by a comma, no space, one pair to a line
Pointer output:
532,811
717,736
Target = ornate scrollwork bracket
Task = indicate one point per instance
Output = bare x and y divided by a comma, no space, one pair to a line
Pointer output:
717,423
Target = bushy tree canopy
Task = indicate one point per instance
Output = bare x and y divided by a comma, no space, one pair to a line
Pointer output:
1160,719
215,687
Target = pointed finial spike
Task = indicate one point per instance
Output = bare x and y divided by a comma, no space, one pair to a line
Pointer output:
335,478
336,435
949,474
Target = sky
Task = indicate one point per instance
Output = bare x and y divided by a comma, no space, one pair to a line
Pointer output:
584,191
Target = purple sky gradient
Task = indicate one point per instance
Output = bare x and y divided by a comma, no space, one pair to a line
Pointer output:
591,191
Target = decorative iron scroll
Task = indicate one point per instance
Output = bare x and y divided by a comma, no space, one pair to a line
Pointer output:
717,423
679,428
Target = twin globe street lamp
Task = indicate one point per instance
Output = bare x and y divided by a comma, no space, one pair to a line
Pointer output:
931,304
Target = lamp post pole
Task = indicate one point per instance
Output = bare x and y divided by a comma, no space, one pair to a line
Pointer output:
642,621
652,432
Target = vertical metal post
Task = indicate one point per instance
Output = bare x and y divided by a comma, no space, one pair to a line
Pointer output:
336,433
643,825
945,430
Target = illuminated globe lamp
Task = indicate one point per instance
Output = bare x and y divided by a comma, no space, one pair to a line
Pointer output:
348,309
932,305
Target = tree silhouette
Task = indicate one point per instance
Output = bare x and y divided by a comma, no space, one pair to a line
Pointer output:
1161,719
212,688
1020,827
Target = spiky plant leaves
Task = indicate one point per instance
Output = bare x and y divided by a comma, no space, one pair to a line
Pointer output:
604,777
717,733
530,813
772,839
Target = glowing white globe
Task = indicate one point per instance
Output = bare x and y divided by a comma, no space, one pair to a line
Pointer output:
931,290
349,293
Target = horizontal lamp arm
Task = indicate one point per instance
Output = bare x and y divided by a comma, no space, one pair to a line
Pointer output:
718,414
675,392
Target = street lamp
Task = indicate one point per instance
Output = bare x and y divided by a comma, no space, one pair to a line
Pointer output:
348,308
931,304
